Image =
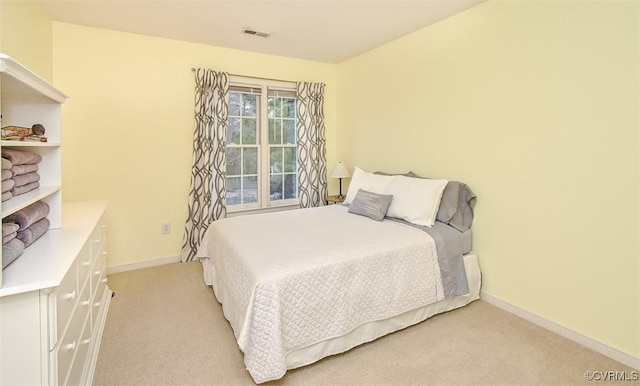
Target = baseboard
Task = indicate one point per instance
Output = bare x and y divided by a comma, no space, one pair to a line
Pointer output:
143,264
594,345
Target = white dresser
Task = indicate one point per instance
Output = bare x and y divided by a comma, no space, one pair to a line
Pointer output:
54,302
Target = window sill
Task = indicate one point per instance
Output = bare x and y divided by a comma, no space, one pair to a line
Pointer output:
243,212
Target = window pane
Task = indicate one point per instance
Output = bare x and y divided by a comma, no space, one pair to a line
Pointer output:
235,103
249,131
249,102
275,157
233,191
275,192
271,102
275,131
233,130
250,160
290,186
250,190
274,135
234,161
289,131
277,107
289,154
289,108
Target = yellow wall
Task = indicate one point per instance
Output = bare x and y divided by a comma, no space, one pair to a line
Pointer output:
535,106
25,35
128,126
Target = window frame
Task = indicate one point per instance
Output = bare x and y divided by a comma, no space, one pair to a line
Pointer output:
264,202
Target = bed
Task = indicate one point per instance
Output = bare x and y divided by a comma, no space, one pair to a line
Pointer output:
299,285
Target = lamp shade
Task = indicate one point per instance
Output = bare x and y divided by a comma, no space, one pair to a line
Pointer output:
340,171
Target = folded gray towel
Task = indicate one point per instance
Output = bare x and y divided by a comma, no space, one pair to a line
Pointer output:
29,215
6,174
7,185
23,169
9,237
6,196
33,232
19,157
24,179
6,164
11,251
8,228
25,188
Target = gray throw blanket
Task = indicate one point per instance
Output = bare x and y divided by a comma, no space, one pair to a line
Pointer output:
6,164
24,179
6,174
17,170
9,237
11,251
29,215
19,157
25,188
8,228
7,185
6,196
33,232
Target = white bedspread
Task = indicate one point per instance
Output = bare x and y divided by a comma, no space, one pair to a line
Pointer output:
299,277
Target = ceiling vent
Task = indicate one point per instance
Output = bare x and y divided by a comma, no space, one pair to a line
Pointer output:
255,33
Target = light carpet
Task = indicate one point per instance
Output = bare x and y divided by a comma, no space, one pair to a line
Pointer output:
165,327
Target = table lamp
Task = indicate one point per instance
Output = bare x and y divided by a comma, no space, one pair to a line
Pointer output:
340,171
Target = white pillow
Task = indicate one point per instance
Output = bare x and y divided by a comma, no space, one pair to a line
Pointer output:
366,181
415,200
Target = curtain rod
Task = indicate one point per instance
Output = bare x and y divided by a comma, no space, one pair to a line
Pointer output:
257,77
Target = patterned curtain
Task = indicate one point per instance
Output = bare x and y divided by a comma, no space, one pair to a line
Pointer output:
207,194
312,160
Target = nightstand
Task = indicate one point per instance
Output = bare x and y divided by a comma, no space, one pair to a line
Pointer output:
334,199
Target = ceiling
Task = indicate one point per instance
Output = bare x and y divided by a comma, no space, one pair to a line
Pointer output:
318,30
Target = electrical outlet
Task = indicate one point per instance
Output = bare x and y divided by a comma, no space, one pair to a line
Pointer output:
166,228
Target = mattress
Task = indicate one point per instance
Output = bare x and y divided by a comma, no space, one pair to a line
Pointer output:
300,285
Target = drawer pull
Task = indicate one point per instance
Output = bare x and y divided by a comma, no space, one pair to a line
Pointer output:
85,303
103,280
96,304
104,226
70,296
104,253
96,273
86,341
96,241
86,263
70,346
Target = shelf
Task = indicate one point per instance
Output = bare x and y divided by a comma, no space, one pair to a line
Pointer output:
27,99
19,81
18,202
29,144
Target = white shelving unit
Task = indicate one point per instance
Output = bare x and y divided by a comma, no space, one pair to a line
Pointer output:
27,99
54,298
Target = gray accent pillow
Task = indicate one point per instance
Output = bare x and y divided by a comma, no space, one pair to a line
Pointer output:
372,205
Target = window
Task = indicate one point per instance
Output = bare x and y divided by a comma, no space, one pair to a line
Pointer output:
262,167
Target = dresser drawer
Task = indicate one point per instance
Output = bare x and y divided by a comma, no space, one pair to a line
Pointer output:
70,343
98,273
62,302
98,237
77,368
84,262
99,294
